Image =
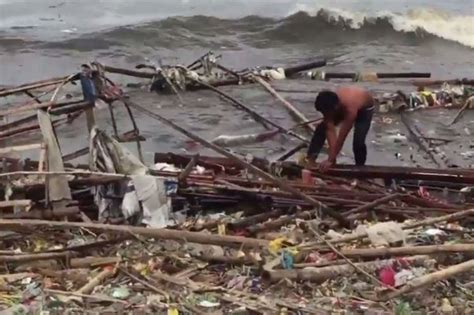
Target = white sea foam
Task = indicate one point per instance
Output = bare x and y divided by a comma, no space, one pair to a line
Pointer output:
446,25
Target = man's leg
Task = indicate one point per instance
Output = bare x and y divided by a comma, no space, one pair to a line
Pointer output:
361,129
317,142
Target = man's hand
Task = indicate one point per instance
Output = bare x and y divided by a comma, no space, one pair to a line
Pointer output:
324,166
311,163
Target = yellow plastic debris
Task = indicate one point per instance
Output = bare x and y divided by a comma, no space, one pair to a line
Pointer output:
446,307
275,245
221,230
39,245
173,311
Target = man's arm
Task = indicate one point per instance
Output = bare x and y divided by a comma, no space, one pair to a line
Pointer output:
331,136
344,130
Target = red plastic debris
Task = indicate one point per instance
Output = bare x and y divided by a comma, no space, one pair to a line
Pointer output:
387,276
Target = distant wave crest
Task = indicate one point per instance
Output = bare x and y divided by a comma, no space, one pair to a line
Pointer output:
321,26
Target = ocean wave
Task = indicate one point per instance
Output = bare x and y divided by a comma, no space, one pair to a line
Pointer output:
320,27
415,25
442,24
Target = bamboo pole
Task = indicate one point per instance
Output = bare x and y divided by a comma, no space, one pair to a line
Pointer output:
280,183
18,122
408,250
26,203
461,111
112,117
20,148
266,123
85,296
373,204
35,106
135,128
145,283
446,218
380,75
255,219
284,220
292,152
188,169
32,86
73,173
133,73
296,114
89,287
195,237
34,257
76,154
70,212
60,86
422,143
88,262
424,83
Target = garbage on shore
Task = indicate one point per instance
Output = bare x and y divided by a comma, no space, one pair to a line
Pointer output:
236,234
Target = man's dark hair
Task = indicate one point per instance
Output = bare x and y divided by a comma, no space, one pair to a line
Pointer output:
85,66
326,102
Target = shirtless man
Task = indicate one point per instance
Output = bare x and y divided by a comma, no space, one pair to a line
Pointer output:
347,107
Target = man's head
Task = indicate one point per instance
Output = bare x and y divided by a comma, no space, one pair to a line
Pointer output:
86,69
326,102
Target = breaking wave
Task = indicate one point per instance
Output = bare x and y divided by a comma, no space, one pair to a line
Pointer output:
448,26
304,25
414,27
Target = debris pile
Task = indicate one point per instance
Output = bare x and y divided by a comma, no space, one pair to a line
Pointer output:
236,234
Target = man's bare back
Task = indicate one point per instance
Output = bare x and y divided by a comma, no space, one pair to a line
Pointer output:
352,99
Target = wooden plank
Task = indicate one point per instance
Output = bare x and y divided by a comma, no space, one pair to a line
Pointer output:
58,187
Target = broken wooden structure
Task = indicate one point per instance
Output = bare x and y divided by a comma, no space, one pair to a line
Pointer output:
273,221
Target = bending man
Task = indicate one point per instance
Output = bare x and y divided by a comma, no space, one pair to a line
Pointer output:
348,107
